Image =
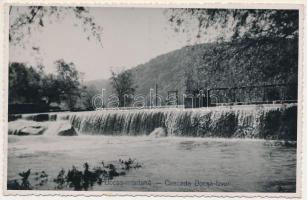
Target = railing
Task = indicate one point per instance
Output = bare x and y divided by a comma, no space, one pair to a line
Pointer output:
278,93
264,94
142,107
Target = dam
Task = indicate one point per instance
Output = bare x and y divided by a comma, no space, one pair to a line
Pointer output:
271,121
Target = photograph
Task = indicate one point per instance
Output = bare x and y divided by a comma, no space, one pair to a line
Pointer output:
167,99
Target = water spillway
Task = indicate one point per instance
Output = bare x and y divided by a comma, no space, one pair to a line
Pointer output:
276,121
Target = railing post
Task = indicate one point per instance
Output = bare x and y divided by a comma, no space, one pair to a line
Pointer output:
208,97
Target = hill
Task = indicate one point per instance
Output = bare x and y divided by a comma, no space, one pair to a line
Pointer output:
252,62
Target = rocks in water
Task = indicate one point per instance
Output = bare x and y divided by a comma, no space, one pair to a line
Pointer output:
158,132
32,130
53,117
67,130
37,117
25,127
41,117
14,117
284,143
29,130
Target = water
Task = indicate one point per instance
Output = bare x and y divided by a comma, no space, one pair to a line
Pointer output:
228,165
271,121
203,150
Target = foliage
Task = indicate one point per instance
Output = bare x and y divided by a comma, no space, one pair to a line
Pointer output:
74,178
123,86
248,42
51,91
25,20
249,63
237,24
29,85
69,83
88,93
227,64
24,83
215,65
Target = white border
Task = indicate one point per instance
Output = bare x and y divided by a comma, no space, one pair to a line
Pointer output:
217,4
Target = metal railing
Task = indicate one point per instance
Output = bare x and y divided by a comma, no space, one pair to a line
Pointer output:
246,95
264,94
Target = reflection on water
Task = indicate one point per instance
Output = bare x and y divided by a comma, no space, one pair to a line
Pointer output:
168,164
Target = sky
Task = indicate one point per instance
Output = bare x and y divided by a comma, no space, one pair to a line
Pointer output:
130,36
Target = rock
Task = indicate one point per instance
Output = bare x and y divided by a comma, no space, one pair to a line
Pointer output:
66,130
32,130
158,132
53,117
14,117
25,127
41,117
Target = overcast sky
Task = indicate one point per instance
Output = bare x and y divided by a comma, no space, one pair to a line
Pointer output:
131,36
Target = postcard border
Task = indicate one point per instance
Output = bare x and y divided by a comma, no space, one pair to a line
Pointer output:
300,121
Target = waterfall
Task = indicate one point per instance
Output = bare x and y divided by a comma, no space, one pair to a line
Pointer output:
271,121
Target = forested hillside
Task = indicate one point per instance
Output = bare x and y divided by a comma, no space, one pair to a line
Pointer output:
252,62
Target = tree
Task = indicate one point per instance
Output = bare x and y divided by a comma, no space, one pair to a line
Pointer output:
122,84
245,39
190,82
88,93
24,84
24,20
237,24
29,85
51,92
69,83
250,27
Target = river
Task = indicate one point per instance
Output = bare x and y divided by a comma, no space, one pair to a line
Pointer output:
168,164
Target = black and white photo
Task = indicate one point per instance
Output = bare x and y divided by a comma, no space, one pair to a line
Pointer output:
182,99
